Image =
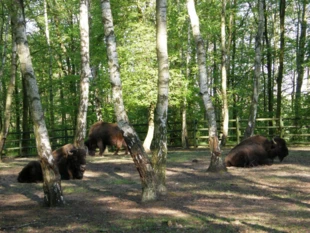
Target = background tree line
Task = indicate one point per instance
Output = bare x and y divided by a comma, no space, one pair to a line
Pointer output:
56,60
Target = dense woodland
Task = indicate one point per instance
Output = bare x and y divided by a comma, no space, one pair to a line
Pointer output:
54,41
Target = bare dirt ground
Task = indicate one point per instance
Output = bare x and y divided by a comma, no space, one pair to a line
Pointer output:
262,199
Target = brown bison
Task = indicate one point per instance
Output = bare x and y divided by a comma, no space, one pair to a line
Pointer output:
102,134
256,150
64,151
71,166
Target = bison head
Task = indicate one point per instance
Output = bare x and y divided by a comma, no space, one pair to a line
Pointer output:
91,147
278,148
76,164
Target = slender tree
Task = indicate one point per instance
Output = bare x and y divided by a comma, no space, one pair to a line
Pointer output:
9,98
216,160
159,157
281,58
225,111
52,184
150,132
134,144
300,56
80,132
257,73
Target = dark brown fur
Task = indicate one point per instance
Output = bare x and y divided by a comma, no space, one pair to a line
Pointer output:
102,134
64,151
256,150
71,166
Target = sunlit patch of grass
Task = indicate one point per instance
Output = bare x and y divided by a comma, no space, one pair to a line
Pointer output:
181,156
74,189
122,181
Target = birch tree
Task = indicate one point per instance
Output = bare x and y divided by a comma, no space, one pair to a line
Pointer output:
225,111
134,144
159,157
9,98
52,184
80,132
216,160
282,6
257,72
300,55
150,132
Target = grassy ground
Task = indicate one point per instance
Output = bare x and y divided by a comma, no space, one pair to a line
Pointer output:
261,199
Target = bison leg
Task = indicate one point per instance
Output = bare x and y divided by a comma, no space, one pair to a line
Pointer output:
101,147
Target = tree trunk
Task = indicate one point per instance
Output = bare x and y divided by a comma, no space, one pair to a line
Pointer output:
9,97
4,40
281,59
150,132
159,157
50,73
134,144
81,125
258,42
300,57
52,184
270,79
225,111
26,121
216,164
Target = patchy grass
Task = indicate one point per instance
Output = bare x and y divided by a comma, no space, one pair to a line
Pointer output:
261,199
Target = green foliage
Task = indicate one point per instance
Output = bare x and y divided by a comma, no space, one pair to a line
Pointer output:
135,30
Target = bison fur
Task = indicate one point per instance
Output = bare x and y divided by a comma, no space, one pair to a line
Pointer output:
256,150
71,166
31,173
102,134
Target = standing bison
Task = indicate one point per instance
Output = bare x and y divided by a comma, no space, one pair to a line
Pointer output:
102,134
71,165
256,150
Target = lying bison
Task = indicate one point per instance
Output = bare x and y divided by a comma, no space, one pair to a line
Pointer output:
256,150
102,134
71,166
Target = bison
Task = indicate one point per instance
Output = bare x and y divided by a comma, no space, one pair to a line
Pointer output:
256,150
64,151
71,166
102,134
31,173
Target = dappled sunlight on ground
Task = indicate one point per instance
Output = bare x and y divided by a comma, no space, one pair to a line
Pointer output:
261,199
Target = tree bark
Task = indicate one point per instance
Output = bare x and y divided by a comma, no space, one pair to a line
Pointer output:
134,144
270,79
9,96
281,58
52,184
216,164
300,56
257,73
81,125
150,132
225,110
159,157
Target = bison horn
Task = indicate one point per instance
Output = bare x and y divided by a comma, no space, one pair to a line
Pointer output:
274,141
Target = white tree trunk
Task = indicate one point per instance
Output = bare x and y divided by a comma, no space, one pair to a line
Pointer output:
80,132
134,144
52,184
150,132
216,160
258,41
159,157
225,111
9,97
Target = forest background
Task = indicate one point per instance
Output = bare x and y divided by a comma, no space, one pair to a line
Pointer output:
284,82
